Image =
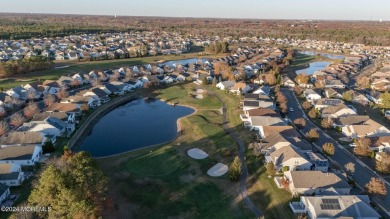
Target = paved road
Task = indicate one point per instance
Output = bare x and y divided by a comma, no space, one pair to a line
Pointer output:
362,173
241,155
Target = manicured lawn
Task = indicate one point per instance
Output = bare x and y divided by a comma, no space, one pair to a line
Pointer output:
264,192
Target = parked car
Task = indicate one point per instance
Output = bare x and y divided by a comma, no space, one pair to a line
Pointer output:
352,145
291,109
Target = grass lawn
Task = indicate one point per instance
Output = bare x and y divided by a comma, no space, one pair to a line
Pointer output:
264,192
164,182
54,74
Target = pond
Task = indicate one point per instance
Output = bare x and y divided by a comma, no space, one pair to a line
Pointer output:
185,61
313,67
137,124
330,56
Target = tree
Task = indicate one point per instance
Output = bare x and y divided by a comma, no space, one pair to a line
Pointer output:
235,169
326,123
284,183
270,79
348,95
30,110
3,127
376,187
350,168
16,120
31,94
300,123
49,99
298,90
62,93
306,105
302,79
312,113
270,169
328,148
84,107
283,107
312,135
48,147
362,147
73,186
383,165
386,100
363,82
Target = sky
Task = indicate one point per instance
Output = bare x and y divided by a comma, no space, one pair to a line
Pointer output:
260,9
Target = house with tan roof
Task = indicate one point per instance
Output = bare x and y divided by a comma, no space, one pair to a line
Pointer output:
316,182
381,84
68,108
325,102
22,155
369,128
240,88
290,158
22,138
337,111
268,130
258,112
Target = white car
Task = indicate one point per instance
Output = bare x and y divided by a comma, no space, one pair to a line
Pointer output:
352,145
291,109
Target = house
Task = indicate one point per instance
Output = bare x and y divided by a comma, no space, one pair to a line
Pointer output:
311,95
5,100
65,81
288,159
68,118
286,130
287,82
360,98
225,85
22,155
51,126
258,112
316,182
319,162
334,93
334,84
98,94
350,120
240,88
263,90
380,144
369,128
381,155
22,138
36,87
381,84
4,192
51,87
11,174
337,111
341,206
177,77
325,102
81,100
69,108
375,97
17,92
112,89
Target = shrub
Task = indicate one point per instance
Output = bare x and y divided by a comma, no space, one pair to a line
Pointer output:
285,168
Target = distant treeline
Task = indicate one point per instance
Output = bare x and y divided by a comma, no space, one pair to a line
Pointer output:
31,25
30,64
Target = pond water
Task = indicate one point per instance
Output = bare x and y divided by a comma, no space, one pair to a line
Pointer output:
185,61
330,56
313,67
137,124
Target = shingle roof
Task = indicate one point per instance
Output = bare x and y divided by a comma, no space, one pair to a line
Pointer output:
317,179
352,120
3,188
63,107
284,154
42,116
262,112
268,130
266,121
17,152
21,138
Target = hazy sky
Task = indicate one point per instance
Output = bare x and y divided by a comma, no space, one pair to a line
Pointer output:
266,9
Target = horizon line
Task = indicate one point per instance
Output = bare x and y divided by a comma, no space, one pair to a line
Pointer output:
177,17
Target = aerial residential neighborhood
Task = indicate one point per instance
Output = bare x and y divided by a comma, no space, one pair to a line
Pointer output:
196,110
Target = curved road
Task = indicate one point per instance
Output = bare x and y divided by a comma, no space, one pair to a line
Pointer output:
241,156
362,173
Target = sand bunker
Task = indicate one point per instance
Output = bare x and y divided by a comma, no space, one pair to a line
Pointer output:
197,153
218,170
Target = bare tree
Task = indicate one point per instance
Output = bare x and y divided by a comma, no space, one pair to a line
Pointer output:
49,99
31,109
300,123
31,94
306,105
362,147
350,168
62,93
328,148
17,119
16,103
313,135
376,187
3,127
383,165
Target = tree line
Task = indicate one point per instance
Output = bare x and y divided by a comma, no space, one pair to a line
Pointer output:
21,66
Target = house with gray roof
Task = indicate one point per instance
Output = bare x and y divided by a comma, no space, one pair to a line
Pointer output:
51,127
22,155
316,182
4,192
11,174
340,206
